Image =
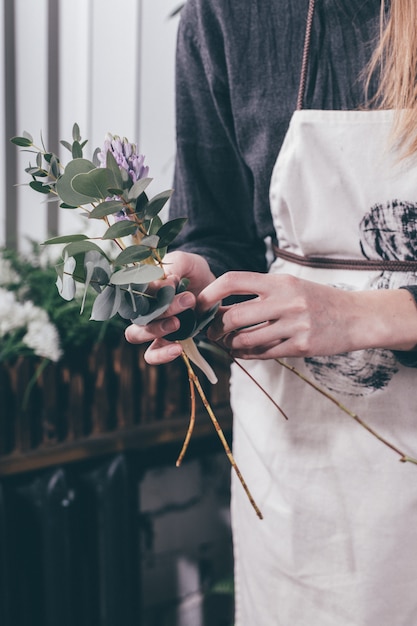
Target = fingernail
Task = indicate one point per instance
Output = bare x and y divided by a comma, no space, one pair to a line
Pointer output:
170,324
186,300
174,350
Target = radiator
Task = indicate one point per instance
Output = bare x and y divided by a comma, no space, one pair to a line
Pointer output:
69,547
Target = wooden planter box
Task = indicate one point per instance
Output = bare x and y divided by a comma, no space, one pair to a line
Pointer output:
99,402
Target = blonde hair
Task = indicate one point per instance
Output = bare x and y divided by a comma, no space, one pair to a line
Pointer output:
395,61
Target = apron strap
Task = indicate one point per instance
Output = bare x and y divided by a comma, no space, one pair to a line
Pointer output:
306,53
346,264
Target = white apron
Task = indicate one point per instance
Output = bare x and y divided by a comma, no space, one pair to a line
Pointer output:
338,543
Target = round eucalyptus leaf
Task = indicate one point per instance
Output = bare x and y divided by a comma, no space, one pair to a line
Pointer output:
159,305
106,304
79,247
93,184
133,305
63,185
141,274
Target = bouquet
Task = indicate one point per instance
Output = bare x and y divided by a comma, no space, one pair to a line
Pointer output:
111,188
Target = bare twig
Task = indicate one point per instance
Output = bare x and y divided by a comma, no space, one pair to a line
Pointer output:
403,457
192,420
192,376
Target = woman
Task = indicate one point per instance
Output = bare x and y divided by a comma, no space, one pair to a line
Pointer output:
337,543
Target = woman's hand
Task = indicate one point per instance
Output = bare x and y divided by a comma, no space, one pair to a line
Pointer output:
288,316
177,265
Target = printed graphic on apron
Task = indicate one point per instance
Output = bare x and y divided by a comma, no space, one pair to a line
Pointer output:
389,232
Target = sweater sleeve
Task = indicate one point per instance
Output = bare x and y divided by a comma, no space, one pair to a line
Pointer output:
213,186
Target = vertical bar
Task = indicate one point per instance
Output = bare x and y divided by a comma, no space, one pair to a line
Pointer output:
89,66
137,129
4,577
116,492
57,549
53,101
10,193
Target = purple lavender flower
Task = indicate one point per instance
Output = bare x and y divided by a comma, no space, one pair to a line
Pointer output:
125,155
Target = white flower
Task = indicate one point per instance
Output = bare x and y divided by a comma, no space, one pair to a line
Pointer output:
12,314
8,276
42,337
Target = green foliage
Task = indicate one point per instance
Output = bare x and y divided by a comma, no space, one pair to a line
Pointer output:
112,188
36,279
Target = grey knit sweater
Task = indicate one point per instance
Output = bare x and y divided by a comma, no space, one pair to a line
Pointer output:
238,69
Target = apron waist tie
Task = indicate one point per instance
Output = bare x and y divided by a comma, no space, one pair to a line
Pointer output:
346,264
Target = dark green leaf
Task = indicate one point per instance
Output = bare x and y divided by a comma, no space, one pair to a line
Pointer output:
183,285
66,145
170,230
23,142
120,229
115,176
48,156
138,188
65,239
157,203
95,158
155,225
161,252
40,187
76,136
205,319
133,254
108,207
35,171
63,205
76,150
141,203
187,320
54,167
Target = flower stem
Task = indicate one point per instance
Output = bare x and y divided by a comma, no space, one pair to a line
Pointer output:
220,433
191,423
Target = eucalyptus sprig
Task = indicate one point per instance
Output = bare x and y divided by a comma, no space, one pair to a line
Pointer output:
112,188
116,195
